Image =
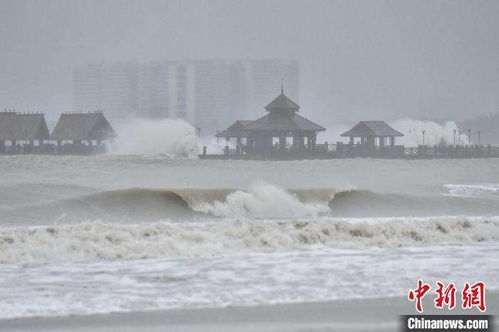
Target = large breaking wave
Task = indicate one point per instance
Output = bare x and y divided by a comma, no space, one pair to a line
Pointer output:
259,201
153,223
147,204
268,201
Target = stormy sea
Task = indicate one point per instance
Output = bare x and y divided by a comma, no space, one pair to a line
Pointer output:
121,232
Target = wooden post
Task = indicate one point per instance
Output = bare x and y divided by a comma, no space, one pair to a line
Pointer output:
371,141
312,141
298,141
267,141
282,142
249,144
238,145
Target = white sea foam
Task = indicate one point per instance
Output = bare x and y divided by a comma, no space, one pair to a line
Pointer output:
264,201
80,268
435,133
487,191
96,240
172,137
321,274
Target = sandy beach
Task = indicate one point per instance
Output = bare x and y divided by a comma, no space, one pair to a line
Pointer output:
380,314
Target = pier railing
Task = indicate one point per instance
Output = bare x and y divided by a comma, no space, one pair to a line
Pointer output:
49,148
452,151
341,150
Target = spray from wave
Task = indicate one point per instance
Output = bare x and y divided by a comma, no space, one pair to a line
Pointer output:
177,139
172,137
264,201
435,133
96,240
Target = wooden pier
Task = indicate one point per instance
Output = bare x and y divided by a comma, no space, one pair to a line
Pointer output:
342,151
282,134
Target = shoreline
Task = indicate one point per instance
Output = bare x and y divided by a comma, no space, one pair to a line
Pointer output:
373,314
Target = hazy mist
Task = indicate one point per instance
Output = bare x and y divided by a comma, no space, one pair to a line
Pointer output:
358,59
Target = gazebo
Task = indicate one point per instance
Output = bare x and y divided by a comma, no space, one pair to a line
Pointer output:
236,130
270,133
372,133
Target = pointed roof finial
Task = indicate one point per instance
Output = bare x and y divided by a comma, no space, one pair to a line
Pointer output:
282,86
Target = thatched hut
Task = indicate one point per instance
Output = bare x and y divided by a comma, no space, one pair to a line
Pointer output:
16,127
81,128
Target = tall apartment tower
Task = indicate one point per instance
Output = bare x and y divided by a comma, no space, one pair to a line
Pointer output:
264,79
155,89
209,94
111,87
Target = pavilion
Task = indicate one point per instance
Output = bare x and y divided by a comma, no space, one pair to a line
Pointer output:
372,133
281,130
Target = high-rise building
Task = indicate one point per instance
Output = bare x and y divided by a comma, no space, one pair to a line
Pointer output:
264,82
111,87
209,94
86,87
156,90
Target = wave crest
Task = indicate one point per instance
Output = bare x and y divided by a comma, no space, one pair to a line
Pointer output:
265,201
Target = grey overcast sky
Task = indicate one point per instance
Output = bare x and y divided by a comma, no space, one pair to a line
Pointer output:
359,59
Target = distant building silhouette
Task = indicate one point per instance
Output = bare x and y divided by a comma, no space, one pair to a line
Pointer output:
111,87
207,93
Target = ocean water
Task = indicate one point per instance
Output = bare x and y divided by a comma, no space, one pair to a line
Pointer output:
110,233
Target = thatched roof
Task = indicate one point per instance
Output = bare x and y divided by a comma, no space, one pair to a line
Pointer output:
23,126
283,122
371,129
82,126
237,129
282,102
